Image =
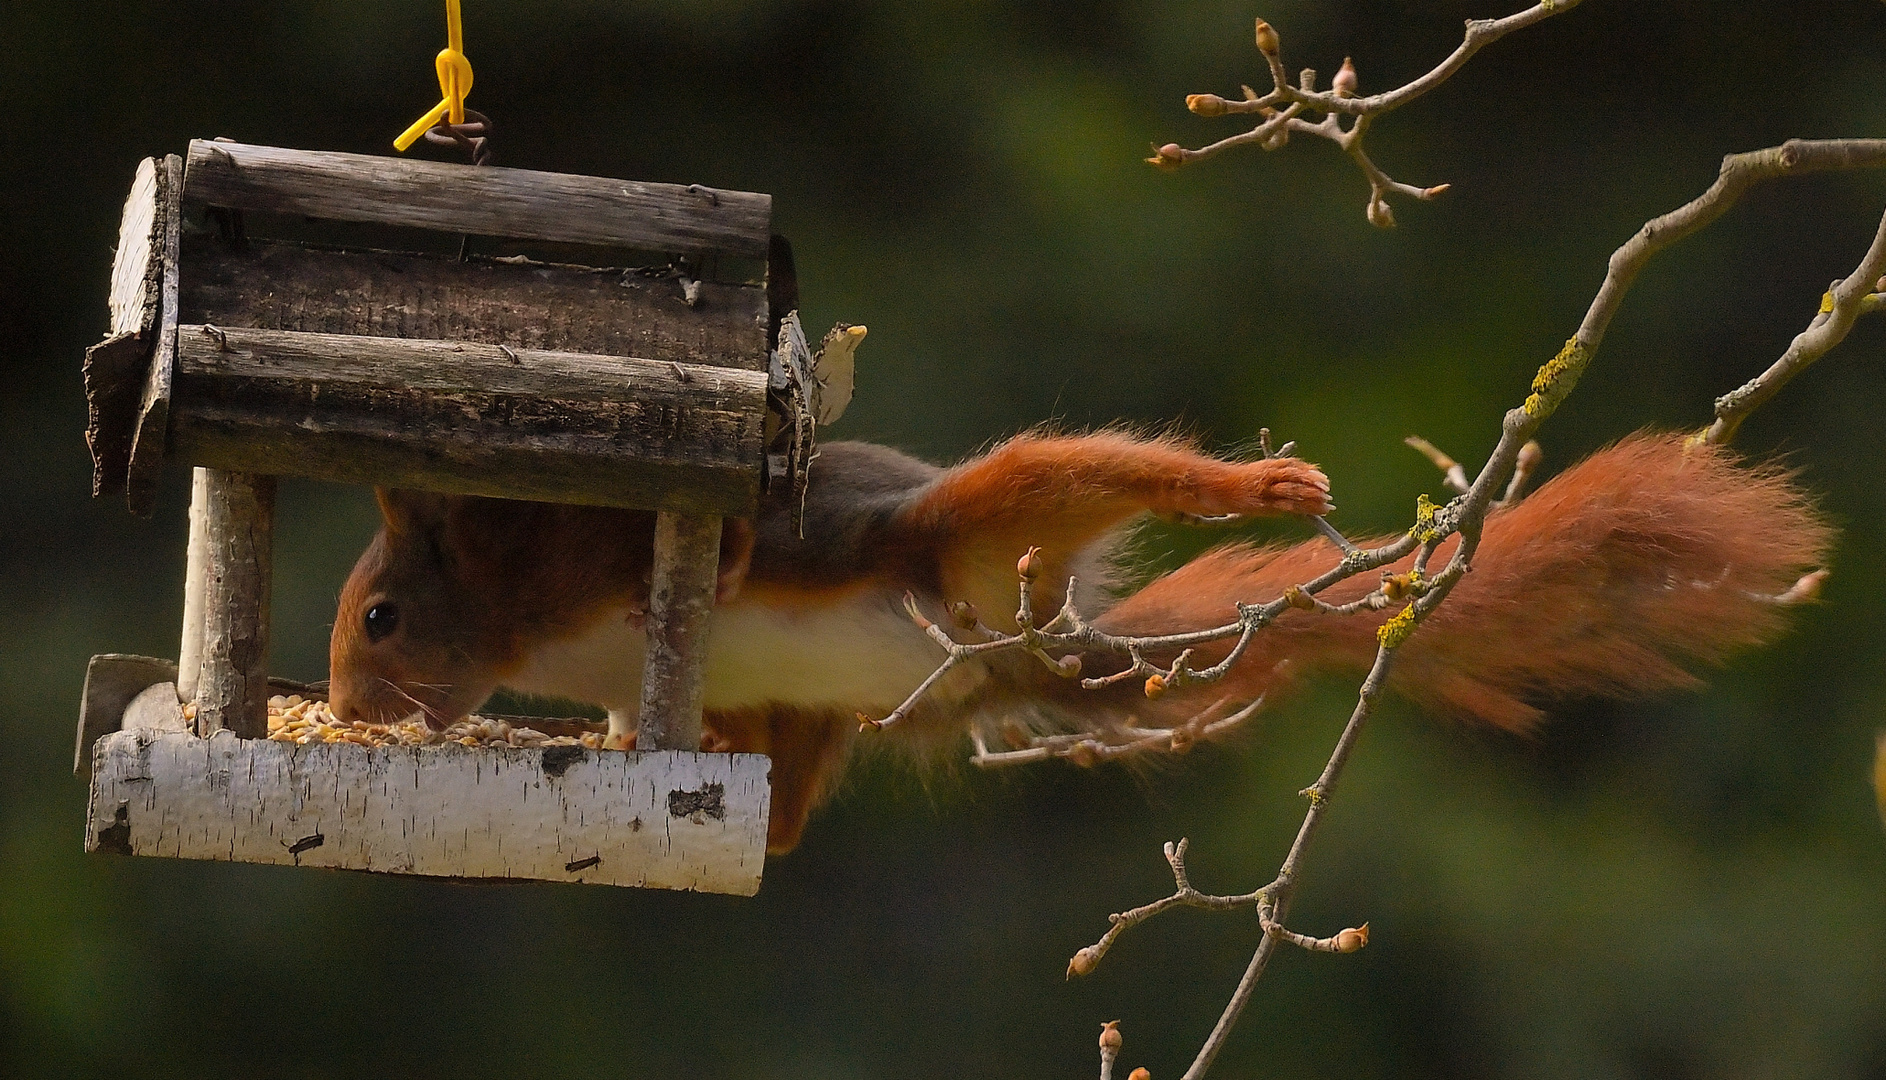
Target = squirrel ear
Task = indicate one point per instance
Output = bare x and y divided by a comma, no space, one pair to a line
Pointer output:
410,512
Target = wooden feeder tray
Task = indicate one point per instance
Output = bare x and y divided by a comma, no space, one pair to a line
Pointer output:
508,376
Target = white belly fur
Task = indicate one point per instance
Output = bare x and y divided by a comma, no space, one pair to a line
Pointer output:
862,653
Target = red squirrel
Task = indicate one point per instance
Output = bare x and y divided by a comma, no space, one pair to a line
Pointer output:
1602,582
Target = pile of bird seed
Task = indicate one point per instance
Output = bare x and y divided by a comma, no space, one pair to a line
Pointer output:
293,718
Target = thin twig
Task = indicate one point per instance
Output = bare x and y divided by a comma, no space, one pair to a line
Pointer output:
1530,455
1796,157
1276,896
1281,107
1091,748
1183,895
1082,637
1321,524
1861,292
1347,941
1110,1041
1454,473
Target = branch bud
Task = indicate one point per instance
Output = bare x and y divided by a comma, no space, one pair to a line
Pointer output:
1181,740
1110,1037
1267,42
1155,685
1068,666
1029,565
1297,598
964,615
1352,939
1083,962
1345,81
1380,215
1083,754
1140,1073
1169,156
1205,104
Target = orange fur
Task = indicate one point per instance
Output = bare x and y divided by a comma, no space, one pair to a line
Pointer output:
1606,581
1603,582
808,749
1063,493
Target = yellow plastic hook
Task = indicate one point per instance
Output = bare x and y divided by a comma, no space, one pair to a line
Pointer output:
455,81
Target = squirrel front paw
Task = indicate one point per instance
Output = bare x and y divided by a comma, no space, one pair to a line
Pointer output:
1289,486
1271,486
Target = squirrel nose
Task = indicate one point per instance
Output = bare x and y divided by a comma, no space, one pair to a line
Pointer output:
342,708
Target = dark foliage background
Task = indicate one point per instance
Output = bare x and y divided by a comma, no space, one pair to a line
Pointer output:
1689,886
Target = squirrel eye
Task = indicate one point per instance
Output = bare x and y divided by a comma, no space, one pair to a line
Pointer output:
382,619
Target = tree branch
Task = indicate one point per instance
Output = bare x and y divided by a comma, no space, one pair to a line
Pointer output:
1466,513
1862,292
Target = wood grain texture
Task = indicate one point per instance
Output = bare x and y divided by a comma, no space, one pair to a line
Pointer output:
281,286
156,711
153,419
196,575
115,372
472,419
482,201
680,599
136,269
670,819
117,368
239,532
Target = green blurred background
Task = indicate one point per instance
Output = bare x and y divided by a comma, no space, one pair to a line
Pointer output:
1685,887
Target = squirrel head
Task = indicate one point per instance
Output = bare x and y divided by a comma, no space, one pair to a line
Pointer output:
410,635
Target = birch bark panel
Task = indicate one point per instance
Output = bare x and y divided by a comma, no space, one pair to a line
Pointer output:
481,201
672,820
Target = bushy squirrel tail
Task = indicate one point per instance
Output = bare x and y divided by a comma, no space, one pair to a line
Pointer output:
1606,581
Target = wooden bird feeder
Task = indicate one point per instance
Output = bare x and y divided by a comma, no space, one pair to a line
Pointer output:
511,376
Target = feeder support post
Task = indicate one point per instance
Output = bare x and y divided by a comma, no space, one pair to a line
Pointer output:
195,581
680,599
232,680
